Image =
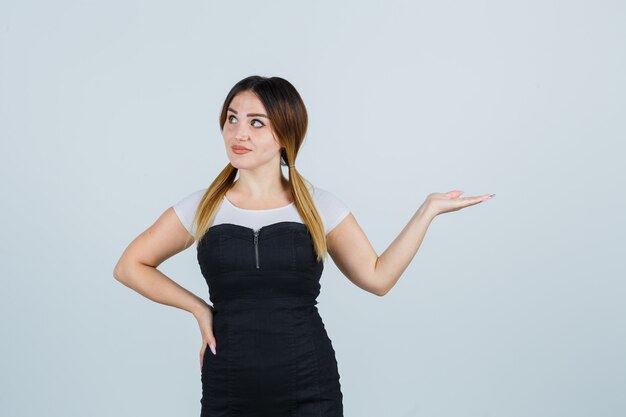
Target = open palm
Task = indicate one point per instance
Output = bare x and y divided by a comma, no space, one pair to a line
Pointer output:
439,203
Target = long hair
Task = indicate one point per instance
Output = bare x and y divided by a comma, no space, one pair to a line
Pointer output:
289,119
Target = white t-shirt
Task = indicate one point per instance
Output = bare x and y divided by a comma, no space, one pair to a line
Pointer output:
332,210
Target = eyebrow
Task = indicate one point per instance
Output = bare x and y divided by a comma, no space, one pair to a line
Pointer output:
249,114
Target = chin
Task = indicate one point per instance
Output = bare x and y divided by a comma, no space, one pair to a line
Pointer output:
238,165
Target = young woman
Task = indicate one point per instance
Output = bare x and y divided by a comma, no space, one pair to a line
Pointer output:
262,240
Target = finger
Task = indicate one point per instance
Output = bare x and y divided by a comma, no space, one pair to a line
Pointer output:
212,344
205,347
481,198
468,201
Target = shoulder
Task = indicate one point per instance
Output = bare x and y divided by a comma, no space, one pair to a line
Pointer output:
185,208
190,199
324,196
332,208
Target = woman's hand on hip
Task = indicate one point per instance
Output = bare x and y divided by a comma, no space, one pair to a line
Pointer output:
205,322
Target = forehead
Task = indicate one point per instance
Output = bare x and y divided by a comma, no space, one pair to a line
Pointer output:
246,100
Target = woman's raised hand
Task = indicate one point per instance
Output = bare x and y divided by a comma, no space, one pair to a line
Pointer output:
205,322
438,203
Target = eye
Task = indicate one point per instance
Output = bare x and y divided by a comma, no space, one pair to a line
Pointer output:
231,116
257,120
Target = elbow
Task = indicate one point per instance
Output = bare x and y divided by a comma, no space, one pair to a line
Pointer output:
380,290
118,271
376,288
126,270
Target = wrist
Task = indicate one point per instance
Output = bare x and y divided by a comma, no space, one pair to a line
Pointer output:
426,212
200,308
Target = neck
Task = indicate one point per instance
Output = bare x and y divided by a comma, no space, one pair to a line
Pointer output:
260,186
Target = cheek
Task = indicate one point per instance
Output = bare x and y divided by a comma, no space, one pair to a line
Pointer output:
230,127
267,144
270,151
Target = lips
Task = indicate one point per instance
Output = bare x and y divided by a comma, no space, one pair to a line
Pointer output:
240,148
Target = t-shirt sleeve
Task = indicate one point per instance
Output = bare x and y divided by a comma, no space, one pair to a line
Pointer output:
332,208
186,208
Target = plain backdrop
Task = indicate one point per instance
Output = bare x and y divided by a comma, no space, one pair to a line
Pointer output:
514,307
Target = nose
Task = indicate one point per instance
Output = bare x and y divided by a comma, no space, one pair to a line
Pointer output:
242,132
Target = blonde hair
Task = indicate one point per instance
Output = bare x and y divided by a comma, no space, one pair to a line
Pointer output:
289,119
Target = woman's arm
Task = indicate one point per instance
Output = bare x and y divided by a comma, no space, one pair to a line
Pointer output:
137,267
356,258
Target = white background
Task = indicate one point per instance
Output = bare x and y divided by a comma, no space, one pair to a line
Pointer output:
514,307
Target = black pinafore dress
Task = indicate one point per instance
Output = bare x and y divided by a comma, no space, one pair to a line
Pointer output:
274,357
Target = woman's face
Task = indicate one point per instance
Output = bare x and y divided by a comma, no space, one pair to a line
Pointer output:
248,126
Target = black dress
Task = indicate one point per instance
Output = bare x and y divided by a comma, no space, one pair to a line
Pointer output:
274,357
